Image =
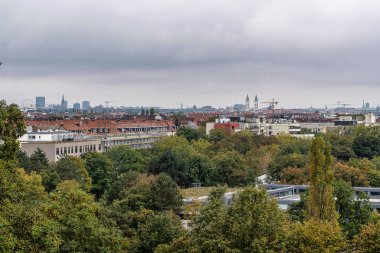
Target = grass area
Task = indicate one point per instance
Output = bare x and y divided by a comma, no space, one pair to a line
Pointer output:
201,191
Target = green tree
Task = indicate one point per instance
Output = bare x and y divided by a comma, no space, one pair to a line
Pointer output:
165,194
24,226
353,212
190,134
320,202
157,229
242,141
23,160
80,227
73,168
255,223
125,158
12,127
341,146
229,168
208,229
200,169
172,163
366,145
50,177
99,168
38,160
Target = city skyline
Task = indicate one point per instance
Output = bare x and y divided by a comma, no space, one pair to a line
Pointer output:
165,53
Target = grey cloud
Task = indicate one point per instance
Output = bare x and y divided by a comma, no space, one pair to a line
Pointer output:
207,52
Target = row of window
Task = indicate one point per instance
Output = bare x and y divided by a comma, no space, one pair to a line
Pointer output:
131,141
77,149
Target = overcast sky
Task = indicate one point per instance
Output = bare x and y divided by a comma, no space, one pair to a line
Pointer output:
208,52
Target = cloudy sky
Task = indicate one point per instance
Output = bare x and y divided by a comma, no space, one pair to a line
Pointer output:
209,52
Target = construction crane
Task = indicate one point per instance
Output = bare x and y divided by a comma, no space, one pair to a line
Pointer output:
271,104
108,103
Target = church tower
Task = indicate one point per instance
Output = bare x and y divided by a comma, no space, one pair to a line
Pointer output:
247,103
256,106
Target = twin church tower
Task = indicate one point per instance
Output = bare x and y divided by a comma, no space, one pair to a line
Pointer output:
255,106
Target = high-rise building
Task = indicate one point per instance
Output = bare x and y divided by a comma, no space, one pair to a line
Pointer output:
64,103
40,102
85,105
76,106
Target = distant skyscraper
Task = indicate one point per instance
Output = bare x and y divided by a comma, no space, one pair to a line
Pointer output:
256,106
40,102
76,106
85,105
64,103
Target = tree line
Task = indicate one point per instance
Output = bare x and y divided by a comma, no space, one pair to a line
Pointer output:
126,200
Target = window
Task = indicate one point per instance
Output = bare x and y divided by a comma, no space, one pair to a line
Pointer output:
100,147
76,149
57,151
65,150
80,149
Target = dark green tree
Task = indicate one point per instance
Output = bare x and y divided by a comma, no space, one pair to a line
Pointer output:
125,158
366,145
165,194
100,169
23,160
156,229
38,161
353,212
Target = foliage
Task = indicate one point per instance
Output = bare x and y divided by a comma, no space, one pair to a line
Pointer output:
12,127
80,228
367,142
352,175
253,223
99,168
73,168
38,161
282,161
23,160
368,241
314,236
125,158
353,213
293,175
320,201
341,146
191,134
229,168
165,194
157,229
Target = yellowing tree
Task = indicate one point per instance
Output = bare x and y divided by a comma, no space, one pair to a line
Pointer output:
320,201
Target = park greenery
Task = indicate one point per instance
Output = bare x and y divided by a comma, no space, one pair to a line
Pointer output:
128,200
